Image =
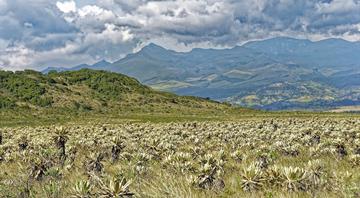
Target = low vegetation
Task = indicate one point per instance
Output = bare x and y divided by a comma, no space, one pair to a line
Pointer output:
94,134
31,97
89,90
287,157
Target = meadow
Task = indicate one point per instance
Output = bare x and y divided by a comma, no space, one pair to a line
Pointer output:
254,156
86,133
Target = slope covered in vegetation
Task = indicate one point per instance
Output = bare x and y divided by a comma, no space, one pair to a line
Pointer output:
88,90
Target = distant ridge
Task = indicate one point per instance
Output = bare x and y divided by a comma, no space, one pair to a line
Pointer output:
274,74
97,65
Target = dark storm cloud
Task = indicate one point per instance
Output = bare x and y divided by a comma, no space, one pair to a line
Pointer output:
36,33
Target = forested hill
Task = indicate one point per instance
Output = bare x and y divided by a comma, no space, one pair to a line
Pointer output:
89,90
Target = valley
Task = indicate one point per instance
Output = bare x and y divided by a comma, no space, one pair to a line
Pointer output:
275,74
91,133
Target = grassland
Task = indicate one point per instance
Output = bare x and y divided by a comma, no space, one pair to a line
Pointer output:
97,134
261,156
354,109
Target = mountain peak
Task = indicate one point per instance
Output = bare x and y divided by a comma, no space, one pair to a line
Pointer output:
334,41
101,63
152,47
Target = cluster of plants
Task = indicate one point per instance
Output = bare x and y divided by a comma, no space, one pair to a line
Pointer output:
6,103
90,90
25,86
285,157
110,85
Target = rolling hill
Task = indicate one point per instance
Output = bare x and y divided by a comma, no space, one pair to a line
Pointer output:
89,90
275,74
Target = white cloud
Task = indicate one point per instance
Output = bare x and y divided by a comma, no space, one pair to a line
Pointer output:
85,30
18,57
67,6
112,34
95,11
21,57
338,6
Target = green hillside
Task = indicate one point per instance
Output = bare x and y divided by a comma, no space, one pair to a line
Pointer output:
89,90
33,94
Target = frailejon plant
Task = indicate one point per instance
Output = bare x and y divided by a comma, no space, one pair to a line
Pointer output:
115,187
60,138
82,189
294,178
242,158
252,179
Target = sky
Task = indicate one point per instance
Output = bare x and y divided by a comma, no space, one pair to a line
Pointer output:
35,34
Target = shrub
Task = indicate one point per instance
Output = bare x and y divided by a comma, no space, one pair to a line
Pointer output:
6,103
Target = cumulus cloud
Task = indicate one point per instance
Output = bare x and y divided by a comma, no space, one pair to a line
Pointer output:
67,6
111,33
36,34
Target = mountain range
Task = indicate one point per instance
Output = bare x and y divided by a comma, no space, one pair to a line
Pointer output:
274,74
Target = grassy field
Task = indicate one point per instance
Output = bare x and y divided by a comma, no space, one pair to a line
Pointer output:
235,154
97,134
258,155
346,109
29,117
